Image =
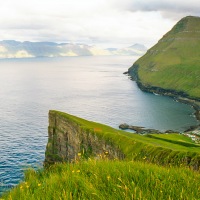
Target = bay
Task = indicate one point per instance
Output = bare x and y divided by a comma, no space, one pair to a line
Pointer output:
93,88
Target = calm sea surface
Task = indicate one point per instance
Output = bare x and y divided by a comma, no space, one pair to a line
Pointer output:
90,87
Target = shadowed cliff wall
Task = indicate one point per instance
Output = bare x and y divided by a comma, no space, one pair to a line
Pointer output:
68,138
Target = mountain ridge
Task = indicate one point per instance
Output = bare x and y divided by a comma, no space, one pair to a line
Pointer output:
16,49
173,63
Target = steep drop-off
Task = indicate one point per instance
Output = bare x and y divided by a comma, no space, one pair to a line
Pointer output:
72,138
172,66
134,177
68,139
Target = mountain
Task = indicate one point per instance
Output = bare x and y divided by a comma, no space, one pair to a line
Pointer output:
136,49
15,49
173,64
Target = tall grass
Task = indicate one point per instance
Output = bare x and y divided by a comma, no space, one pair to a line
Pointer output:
111,180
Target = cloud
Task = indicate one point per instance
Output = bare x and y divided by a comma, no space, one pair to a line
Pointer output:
102,22
169,8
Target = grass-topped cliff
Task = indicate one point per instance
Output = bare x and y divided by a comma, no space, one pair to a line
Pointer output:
80,135
154,166
174,62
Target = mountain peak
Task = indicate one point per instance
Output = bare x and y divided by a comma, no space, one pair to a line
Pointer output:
138,46
174,62
188,23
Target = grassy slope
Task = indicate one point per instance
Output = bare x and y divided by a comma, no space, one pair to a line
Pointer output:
129,142
174,62
111,180
126,179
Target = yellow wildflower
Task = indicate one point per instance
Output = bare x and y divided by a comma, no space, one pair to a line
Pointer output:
39,184
78,171
79,154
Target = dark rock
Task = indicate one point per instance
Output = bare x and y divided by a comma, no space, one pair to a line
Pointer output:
124,126
138,129
170,131
193,128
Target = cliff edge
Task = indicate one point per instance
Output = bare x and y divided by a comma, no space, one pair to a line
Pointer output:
72,138
69,139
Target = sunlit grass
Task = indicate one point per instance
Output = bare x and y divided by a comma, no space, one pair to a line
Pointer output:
132,178
105,179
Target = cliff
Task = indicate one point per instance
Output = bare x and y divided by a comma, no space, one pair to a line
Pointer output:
72,138
172,66
68,139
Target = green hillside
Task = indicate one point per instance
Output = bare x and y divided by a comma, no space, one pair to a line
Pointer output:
156,166
163,149
108,180
174,62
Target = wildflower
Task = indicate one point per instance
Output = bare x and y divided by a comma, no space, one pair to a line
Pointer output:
79,154
106,152
125,187
39,184
73,171
21,187
27,186
78,171
108,177
97,129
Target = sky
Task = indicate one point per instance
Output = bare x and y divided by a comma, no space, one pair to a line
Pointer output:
105,23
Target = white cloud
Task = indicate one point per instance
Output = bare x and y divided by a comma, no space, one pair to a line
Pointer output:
169,8
105,22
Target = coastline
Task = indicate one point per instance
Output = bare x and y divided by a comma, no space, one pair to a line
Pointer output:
179,96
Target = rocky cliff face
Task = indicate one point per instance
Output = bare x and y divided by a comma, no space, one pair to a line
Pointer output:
68,140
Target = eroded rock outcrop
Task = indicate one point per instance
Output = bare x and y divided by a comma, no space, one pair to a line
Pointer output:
68,138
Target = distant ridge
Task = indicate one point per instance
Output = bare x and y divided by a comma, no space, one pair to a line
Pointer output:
173,64
16,49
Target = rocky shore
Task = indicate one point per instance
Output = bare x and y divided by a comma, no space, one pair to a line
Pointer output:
141,130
